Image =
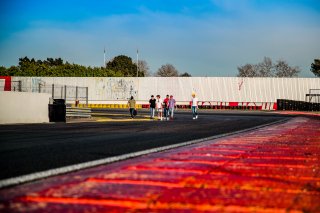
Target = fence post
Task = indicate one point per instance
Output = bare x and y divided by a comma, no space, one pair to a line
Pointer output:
52,91
39,87
65,93
19,86
87,93
76,93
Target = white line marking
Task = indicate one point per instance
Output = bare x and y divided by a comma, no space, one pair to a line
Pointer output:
72,168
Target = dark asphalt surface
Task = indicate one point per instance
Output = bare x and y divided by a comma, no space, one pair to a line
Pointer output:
25,149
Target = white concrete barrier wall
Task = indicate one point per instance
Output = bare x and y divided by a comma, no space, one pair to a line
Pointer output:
24,107
2,82
226,89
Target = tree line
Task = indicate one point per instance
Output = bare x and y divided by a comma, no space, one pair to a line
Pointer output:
58,68
267,68
119,66
123,66
281,68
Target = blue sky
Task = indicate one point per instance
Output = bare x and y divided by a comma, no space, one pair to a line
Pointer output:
201,37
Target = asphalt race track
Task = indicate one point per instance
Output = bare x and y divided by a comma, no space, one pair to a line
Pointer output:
26,149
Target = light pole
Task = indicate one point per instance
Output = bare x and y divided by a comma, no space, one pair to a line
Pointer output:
104,57
137,63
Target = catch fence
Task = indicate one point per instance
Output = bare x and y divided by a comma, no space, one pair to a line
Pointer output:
71,94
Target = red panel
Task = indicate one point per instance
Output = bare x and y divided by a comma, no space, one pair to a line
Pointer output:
233,104
7,84
275,106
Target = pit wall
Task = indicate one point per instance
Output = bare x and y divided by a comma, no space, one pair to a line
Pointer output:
212,92
23,107
186,105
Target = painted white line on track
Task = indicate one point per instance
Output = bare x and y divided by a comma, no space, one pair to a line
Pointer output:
62,170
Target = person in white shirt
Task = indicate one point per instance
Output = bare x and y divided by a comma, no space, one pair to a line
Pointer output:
159,103
194,106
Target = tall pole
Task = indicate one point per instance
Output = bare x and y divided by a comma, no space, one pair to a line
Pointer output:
104,57
137,63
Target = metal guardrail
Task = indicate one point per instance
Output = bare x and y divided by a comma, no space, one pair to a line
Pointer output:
313,93
78,112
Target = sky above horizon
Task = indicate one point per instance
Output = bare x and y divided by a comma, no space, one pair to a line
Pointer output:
201,37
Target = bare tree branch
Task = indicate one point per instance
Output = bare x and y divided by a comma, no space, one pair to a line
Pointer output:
247,70
284,70
167,70
267,69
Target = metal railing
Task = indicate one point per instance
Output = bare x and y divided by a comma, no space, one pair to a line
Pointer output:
16,86
78,112
68,93
71,94
313,96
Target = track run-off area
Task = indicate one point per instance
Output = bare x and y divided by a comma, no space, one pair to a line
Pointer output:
225,161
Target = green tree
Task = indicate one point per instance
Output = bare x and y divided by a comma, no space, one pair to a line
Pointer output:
315,67
14,71
28,67
185,75
24,61
3,71
123,64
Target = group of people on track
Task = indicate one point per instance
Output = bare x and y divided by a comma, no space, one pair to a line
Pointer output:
164,108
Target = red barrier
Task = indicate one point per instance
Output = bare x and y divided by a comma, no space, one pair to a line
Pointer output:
275,106
7,84
233,104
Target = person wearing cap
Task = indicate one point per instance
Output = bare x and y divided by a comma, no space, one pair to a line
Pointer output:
194,106
152,103
171,104
159,107
166,108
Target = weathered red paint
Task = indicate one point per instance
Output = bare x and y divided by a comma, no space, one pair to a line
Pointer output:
273,169
7,84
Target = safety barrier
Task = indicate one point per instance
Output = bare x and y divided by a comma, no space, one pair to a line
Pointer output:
284,104
111,106
78,112
217,105
281,104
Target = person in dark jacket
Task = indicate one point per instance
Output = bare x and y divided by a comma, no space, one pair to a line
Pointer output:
152,103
